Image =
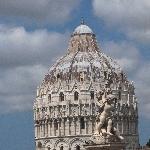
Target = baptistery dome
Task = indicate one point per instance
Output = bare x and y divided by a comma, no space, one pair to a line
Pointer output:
84,61
65,107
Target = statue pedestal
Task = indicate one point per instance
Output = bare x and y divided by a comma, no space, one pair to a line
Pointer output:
98,142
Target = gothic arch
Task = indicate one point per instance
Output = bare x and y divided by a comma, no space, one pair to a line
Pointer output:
48,143
76,90
75,87
39,144
76,142
61,96
61,142
76,96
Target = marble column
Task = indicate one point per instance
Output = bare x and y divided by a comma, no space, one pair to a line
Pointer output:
62,127
129,125
49,129
68,125
128,101
53,128
122,129
91,120
58,122
79,125
74,121
85,121
36,130
41,135
91,109
44,129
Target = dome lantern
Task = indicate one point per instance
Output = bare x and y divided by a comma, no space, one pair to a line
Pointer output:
83,29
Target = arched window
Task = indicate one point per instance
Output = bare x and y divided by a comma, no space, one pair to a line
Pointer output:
92,94
77,147
81,76
119,92
122,76
82,123
39,145
56,125
58,76
61,148
119,95
76,95
61,96
48,148
105,74
49,97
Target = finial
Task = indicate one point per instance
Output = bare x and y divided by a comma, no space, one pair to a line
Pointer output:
82,20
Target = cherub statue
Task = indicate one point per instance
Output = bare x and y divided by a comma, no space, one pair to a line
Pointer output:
104,125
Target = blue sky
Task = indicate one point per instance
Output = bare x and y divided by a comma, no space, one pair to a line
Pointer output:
35,33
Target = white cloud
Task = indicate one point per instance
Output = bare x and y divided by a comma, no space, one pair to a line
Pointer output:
20,47
126,54
18,87
130,16
140,35
24,59
43,11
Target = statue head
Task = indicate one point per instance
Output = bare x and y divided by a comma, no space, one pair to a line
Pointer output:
111,98
99,94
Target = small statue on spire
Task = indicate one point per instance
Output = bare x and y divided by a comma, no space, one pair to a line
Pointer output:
82,21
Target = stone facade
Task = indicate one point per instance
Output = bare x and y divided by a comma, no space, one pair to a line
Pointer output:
65,108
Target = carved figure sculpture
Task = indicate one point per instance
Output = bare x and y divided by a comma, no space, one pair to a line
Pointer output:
104,125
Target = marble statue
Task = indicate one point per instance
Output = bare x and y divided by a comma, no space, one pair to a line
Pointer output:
105,124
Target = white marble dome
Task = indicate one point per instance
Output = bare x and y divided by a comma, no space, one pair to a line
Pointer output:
84,58
82,29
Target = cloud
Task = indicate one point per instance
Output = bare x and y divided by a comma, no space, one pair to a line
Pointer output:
126,54
24,60
18,87
130,16
140,35
20,47
43,11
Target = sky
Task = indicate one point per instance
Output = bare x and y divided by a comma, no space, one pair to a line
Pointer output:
35,33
